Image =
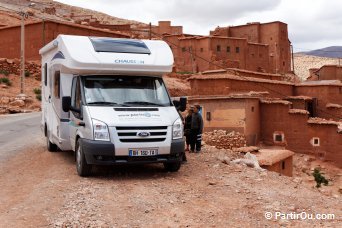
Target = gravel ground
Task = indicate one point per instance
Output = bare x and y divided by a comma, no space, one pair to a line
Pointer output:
42,189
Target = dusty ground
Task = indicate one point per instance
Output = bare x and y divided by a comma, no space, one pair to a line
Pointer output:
42,189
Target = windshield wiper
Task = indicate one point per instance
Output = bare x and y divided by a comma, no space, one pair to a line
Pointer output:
143,103
106,103
102,103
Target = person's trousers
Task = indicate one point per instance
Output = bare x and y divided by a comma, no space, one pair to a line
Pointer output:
195,140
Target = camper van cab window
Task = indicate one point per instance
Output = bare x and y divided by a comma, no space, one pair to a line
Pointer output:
76,93
125,91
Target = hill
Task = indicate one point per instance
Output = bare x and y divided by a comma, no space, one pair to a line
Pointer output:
52,10
304,62
330,52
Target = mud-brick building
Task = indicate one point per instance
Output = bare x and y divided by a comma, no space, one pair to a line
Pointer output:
304,118
202,53
238,113
38,34
326,72
274,34
276,160
327,97
165,28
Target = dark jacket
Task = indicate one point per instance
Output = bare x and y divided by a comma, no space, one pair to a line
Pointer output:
187,124
197,122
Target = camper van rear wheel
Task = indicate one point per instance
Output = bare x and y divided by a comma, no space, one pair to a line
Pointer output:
50,146
83,169
172,167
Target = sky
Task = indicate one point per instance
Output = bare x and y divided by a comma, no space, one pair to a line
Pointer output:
312,24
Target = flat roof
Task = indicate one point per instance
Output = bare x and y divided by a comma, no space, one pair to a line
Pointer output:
68,24
320,83
233,70
299,98
298,111
235,77
224,97
269,157
317,120
275,101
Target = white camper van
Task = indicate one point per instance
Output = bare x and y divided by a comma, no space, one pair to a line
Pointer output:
105,99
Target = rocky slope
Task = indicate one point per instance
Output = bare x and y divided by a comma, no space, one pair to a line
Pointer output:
304,62
53,10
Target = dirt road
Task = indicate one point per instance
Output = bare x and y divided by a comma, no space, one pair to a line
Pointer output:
17,132
42,189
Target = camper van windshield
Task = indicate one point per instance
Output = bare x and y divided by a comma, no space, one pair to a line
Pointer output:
125,91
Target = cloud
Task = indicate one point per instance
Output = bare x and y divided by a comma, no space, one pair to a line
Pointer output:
311,23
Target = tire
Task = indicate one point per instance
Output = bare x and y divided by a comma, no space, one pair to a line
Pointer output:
172,166
51,147
83,169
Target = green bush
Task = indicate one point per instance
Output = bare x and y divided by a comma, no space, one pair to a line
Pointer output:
319,178
39,97
5,72
27,73
37,91
5,81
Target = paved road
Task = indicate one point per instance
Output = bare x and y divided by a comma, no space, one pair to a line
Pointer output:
18,132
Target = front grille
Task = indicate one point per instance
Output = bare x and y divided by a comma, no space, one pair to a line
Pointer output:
130,134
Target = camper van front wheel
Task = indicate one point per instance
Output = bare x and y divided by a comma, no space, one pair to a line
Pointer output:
50,146
83,169
172,166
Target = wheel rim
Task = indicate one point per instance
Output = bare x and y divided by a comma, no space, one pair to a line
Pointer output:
78,157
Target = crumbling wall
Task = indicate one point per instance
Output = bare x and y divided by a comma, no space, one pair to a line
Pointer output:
224,86
298,134
325,94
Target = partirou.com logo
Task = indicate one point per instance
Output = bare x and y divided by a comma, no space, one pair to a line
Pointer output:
298,216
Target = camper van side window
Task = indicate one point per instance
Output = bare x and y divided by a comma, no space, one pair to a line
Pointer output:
57,84
73,91
45,74
78,95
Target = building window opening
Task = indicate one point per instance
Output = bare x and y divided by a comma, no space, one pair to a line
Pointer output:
283,63
201,49
208,116
237,49
278,137
283,165
218,48
183,49
252,109
228,49
315,141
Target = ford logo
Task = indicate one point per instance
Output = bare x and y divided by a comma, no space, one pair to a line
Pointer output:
143,134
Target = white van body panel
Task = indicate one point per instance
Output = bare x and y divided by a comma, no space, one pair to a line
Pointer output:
75,56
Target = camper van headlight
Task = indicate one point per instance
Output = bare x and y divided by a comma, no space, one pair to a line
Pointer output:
177,129
100,130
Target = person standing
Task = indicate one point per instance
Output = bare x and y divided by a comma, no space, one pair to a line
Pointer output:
187,127
196,130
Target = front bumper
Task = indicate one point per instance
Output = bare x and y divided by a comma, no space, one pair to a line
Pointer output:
103,153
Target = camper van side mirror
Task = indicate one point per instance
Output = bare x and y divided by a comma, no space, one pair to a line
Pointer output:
66,104
182,104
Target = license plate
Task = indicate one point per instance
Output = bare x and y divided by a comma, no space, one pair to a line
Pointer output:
143,152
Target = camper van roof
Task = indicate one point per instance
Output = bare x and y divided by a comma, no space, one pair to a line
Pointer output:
103,55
